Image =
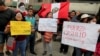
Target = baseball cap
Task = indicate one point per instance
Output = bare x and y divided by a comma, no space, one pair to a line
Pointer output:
85,16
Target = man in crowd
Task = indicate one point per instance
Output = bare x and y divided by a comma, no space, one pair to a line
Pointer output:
6,15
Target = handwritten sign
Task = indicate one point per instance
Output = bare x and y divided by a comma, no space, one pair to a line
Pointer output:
80,35
47,24
20,28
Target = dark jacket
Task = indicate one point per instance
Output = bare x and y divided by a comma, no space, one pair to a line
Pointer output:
5,17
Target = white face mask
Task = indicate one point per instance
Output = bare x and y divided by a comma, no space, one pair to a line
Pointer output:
93,22
22,8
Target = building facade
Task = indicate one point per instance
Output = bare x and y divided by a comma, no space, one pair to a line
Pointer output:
39,2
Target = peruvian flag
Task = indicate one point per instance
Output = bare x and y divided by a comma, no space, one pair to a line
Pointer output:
60,10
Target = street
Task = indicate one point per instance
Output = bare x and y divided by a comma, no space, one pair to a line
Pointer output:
56,47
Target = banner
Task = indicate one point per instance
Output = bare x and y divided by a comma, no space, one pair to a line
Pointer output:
80,35
60,10
47,24
20,28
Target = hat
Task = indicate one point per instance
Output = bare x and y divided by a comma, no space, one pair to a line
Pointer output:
85,16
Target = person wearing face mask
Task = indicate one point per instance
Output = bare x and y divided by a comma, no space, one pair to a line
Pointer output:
85,18
21,8
92,20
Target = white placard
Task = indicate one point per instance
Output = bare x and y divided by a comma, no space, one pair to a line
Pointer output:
80,35
47,24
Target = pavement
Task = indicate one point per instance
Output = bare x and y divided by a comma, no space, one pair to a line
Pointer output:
39,49
56,47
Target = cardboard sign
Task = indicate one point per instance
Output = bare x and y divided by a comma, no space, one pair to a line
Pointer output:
47,24
80,35
20,28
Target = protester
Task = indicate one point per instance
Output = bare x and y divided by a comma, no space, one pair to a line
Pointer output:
21,8
20,39
47,38
92,20
97,52
73,16
63,47
6,15
85,18
31,7
31,38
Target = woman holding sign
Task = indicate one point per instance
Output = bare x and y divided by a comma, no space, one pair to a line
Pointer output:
20,39
85,18
93,21
47,38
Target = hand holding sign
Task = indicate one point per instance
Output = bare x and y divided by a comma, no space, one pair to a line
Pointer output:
80,35
20,28
49,25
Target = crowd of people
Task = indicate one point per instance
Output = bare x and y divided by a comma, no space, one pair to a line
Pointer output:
22,41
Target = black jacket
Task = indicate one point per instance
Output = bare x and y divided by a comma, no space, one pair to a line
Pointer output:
5,17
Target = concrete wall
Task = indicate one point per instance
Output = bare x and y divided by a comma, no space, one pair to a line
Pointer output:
35,2
85,7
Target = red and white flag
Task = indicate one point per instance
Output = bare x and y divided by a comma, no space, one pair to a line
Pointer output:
60,10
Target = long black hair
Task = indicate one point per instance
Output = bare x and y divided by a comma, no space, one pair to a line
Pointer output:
23,18
91,18
21,4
